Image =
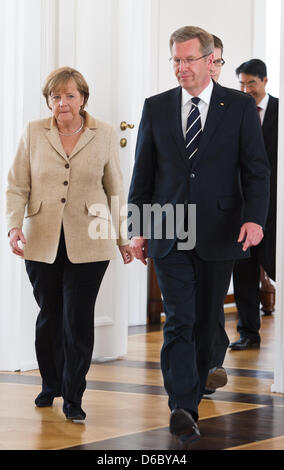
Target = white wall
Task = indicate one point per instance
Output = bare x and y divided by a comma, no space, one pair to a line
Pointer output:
20,72
232,21
272,45
248,28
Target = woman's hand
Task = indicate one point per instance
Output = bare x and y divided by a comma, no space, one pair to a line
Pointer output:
126,253
16,235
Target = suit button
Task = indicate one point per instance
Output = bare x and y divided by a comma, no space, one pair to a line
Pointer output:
192,175
65,183
63,200
67,166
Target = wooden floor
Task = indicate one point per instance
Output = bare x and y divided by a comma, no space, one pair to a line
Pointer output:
127,407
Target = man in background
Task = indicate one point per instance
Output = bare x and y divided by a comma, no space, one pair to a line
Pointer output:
218,60
217,376
246,275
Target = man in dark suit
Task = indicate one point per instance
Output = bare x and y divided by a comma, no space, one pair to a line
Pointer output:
198,144
246,274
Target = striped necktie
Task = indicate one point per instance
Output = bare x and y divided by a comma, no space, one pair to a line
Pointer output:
193,129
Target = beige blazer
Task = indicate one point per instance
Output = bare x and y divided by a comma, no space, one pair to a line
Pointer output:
83,192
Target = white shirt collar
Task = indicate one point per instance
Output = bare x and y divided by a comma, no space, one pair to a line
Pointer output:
264,102
205,95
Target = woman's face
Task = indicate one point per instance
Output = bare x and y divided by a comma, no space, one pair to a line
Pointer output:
66,103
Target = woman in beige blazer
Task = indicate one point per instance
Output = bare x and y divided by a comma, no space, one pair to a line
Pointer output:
65,204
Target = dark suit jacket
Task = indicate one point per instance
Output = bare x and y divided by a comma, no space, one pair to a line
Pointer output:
267,248
228,178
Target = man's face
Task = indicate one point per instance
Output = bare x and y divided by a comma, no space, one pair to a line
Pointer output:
194,76
253,85
216,66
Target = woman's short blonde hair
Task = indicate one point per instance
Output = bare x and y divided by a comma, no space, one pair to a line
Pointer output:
59,77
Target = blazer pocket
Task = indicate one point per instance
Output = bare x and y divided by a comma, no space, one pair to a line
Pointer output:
97,209
229,203
33,208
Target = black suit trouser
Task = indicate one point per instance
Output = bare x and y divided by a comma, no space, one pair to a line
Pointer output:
246,280
66,294
193,294
221,343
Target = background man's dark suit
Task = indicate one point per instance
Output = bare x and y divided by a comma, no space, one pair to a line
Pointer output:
247,274
228,180
267,247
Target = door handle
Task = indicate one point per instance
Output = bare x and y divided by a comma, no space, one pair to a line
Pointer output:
124,126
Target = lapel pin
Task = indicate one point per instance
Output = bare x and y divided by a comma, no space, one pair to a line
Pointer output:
222,104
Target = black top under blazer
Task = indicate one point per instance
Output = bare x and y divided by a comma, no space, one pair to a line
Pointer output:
227,179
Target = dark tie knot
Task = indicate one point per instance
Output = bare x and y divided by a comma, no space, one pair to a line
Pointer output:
195,100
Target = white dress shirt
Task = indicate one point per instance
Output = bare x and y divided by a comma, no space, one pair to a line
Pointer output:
263,105
203,105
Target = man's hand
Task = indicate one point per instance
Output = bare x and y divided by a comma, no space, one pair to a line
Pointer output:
16,235
139,247
251,234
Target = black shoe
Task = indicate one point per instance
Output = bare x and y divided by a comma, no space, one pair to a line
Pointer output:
209,391
183,425
244,343
44,399
73,412
217,377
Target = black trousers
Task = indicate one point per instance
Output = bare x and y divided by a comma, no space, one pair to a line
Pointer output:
66,294
221,343
246,280
193,293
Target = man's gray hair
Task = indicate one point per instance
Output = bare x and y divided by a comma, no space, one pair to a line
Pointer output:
191,32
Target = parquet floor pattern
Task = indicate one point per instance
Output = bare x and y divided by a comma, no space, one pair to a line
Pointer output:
127,409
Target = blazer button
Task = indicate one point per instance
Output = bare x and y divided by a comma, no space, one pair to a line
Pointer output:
65,183
192,175
67,166
63,200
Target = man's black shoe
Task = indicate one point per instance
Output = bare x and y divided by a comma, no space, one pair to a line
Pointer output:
183,426
217,377
244,343
44,399
73,412
209,391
